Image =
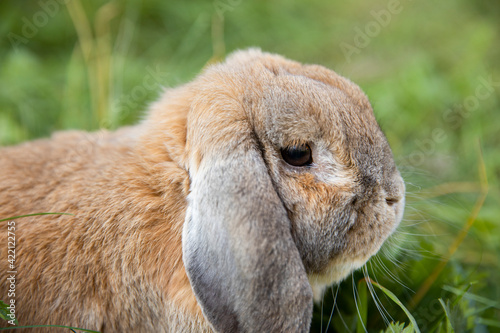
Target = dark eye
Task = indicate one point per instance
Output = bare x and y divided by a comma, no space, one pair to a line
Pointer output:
299,155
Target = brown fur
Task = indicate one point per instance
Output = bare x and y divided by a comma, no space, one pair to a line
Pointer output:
116,265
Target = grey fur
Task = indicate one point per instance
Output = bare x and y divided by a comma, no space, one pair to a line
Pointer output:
238,250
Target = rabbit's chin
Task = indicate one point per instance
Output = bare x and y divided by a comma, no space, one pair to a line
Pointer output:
334,273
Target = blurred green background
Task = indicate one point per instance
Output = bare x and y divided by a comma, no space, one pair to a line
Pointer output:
430,69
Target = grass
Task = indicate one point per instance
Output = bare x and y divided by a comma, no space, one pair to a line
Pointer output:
430,69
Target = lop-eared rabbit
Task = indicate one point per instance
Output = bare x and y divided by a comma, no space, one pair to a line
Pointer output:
238,199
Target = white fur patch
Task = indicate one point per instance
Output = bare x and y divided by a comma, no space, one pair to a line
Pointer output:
335,273
329,170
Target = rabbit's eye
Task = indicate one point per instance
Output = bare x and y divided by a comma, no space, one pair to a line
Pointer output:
297,155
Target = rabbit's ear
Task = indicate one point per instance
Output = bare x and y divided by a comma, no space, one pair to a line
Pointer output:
243,265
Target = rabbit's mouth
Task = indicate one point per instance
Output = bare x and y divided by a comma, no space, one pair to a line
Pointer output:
367,230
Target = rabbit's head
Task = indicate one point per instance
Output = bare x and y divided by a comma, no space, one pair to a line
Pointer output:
292,184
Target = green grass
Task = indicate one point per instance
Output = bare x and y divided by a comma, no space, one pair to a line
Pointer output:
425,70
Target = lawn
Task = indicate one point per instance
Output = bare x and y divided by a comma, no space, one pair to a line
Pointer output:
431,70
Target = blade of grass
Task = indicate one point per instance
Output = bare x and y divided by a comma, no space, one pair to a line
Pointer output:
394,298
488,322
479,299
35,214
218,44
449,327
448,188
362,307
435,327
82,26
87,46
424,288
104,58
96,50
60,326
5,312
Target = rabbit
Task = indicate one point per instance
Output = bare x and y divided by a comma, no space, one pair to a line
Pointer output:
230,207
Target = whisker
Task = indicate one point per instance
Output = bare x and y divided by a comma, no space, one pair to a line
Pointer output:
419,235
376,295
356,298
387,253
381,309
343,321
391,274
402,265
321,325
333,308
408,251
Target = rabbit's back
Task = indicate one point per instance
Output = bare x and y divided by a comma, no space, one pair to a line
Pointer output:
120,248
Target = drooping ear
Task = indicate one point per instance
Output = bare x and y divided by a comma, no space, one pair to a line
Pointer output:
238,250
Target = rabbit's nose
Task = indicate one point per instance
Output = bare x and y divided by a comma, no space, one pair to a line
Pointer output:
395,191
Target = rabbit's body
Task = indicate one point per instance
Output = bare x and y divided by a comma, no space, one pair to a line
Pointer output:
116,265
195,219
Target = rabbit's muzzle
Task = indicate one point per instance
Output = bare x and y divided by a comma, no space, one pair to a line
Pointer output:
355,229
